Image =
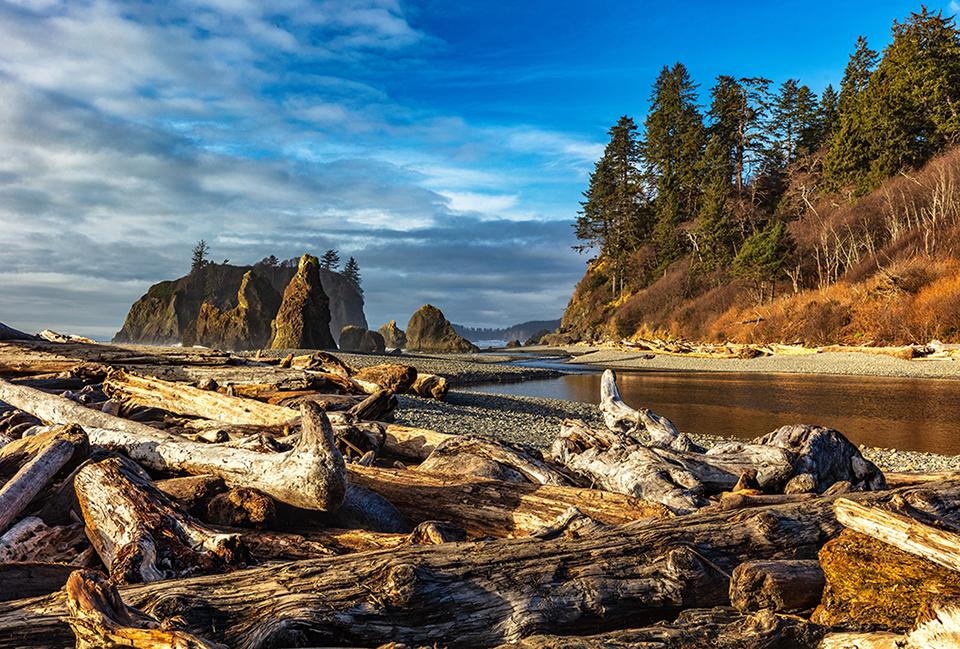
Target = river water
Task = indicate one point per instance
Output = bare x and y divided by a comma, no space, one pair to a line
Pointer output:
907,414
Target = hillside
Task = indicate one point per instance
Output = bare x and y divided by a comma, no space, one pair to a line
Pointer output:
774,215
168,313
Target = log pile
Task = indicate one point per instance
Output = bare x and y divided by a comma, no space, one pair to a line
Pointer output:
188,498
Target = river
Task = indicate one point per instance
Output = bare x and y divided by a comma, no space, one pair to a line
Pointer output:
908,414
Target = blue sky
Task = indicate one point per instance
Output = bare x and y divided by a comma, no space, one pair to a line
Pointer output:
443,144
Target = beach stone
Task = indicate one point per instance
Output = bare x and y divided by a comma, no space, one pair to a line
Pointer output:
303,321
429,331
393,336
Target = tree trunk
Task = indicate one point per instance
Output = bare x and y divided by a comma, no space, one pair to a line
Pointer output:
495,508
53,452
776,585
485,593
138,532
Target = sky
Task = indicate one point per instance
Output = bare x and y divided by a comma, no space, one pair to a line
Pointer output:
442,144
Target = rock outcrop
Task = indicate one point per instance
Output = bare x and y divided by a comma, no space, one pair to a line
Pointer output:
303,320
393,336
358,339
246,326
9,333
192,310
429,331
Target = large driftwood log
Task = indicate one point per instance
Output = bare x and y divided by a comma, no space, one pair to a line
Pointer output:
310,475
20,580
33,540
495,508
776,585
678,479
53,452
466,455
487,593
621,418
430,385
138,532
100,619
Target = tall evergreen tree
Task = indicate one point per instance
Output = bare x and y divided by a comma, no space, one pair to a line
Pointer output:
199,258
672,151
828,112
352,272
330,260
856,76
809,126
715,235
615,215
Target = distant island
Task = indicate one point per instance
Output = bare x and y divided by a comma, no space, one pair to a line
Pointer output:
522,332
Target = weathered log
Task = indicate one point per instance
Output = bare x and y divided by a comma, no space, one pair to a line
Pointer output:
187,400
32,578
467,455
54,451
716,628
621,418
33,540
100,619
391,377
310,475
378,405
678,479
734,500
242,507
430,385
192,493
776,585
940,629
138,532
902,532
483,594
413,443
490,507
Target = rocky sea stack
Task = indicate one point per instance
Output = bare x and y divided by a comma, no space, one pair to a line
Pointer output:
393,336
303,321
429,331
232,307
358,339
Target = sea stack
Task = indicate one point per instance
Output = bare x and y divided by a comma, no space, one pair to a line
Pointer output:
303,321
429,331
393,336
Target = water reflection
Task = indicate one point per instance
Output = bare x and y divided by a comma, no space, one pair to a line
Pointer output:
915,414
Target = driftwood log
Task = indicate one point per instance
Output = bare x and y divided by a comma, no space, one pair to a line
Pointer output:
488,593
776,585
621,418
139,534
473,456
310,475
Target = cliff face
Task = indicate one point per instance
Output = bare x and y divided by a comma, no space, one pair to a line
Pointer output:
204,307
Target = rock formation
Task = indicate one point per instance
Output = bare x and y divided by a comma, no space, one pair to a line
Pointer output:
358,339
303,321
9,333
191,310
393,336
247,326
429,331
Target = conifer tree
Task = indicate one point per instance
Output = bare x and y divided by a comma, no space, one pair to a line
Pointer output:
672,151
809,126
615,216
828,112
199,258
352,272
764,255
715,234
856,76
330,260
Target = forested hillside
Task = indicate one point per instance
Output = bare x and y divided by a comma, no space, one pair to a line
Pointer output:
774,213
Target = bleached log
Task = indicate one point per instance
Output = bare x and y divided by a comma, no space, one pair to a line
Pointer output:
30,539
310,475
391,377
621,418
902,532
100,619
776,585
139,534
678,479
467,455
483,594
54,451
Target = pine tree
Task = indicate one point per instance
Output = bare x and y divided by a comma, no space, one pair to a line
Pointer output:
764,255
784,119
828,113
716,233
672,151
352,272
200,252
857,75
809,125
615,217
737,114
330,260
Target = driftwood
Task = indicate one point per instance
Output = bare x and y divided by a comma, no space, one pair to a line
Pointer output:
99,619
776,585
310,475
490,507
20,580
621,418
139,534
488,593
33,540
430,385
52,452
466,455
